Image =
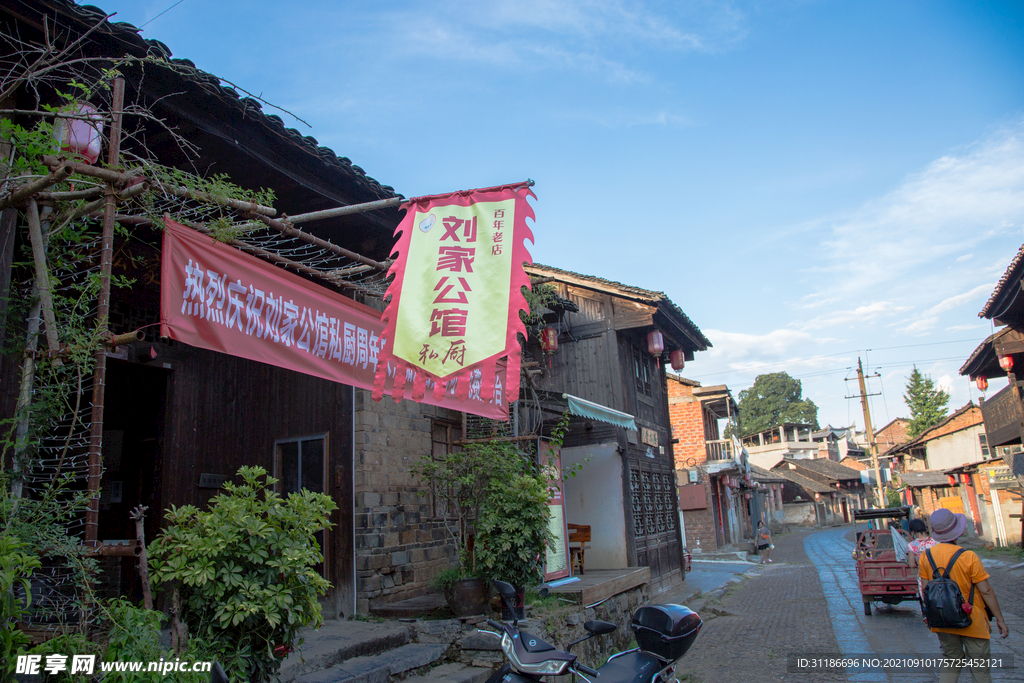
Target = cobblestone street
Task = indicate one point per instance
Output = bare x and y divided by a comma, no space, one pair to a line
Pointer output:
808,602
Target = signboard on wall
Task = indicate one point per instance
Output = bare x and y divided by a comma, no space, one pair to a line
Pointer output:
556,561
216,297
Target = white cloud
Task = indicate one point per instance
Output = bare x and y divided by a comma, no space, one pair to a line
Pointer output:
960,299
961,259
964,328
922,326
862,314
955,204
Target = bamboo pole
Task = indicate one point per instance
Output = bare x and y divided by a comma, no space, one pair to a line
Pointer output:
127,193
102,315
343,210
58,174
35,233
78,168
139,515
323,244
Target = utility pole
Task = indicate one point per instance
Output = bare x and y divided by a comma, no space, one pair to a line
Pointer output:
869,431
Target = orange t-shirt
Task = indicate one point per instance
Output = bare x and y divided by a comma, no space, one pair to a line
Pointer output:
967,571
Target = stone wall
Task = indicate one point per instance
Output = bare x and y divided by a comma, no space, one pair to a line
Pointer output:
399,542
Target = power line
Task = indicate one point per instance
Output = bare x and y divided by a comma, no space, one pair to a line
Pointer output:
164,12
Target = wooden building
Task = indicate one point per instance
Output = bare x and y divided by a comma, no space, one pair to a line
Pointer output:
626,491
180,420
1002,355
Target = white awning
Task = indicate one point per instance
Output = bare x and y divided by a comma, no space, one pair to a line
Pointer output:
596,411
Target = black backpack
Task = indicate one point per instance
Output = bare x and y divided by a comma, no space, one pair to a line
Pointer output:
943,601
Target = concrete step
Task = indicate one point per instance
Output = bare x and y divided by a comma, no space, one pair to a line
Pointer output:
452,673
337,641
380,668
429,605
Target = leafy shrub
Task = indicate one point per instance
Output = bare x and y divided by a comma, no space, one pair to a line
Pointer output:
247,572
513,529
15,571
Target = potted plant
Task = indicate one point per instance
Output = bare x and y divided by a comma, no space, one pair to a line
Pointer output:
513,530
459,481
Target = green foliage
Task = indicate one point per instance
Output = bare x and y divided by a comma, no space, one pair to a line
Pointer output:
247,571
513,531
134,636
16,568
459,482
927,403
892,498
446,578
540,296
774,399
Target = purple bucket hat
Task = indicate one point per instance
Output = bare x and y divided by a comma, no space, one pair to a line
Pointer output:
947,526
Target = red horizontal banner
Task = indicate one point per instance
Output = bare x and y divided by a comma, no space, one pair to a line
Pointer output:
216,297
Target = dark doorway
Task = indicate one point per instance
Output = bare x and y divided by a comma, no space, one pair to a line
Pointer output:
133,429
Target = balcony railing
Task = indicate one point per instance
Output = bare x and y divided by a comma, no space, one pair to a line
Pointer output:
719,450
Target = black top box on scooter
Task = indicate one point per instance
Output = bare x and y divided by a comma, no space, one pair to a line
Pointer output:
666,631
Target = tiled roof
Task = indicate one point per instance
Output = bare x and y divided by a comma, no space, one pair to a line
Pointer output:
1010,278
805,482
964,418
252,109
983,359
828,468
923,478
648,295
765,476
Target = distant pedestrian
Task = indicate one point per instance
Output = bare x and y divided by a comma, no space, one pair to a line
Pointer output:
971,642
763,541
919,532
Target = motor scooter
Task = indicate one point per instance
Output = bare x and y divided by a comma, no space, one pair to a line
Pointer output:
664,634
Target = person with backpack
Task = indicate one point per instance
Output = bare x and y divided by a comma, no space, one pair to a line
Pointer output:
957,597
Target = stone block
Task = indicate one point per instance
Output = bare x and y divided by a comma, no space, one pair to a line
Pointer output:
408,536
400,558
370,583
390,499
387,582
371,499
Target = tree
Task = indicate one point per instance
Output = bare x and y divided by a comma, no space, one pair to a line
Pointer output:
774,399
927,403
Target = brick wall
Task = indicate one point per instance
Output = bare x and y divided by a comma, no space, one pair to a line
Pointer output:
399,543
691,428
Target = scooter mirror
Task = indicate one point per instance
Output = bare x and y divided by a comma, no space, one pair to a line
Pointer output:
505,589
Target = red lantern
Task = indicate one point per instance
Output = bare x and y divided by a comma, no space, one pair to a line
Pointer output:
982,383
965,479
81,137
1006,362
549,340
951,479
817,496
678,359
655,343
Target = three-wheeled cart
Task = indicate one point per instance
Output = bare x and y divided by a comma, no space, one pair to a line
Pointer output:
883,577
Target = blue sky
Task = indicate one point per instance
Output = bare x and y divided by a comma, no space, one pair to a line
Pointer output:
810,181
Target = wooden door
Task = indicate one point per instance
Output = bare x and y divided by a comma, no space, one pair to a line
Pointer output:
655,520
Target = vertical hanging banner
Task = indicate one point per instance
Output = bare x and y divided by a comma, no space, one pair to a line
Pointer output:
457,293
216,297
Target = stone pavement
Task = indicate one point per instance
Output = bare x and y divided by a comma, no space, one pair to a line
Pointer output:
808,602
749,631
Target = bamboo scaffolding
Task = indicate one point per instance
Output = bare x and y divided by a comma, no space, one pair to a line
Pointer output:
118,178
35,234
127,193
102,314
277,258
58,174
323,244
343,210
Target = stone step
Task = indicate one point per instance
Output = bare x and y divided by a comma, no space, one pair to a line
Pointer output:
737,556
380,668
337,641
429,605
452,673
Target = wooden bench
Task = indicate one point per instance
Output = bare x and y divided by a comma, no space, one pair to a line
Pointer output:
578,534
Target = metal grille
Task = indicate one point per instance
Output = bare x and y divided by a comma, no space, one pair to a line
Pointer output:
634,489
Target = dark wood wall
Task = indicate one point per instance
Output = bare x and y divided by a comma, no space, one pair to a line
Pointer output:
225,412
